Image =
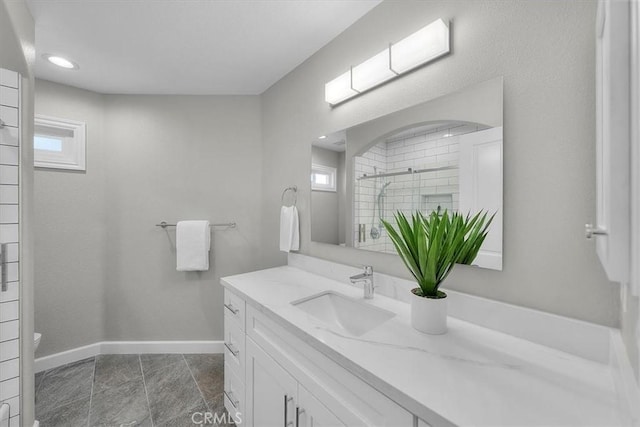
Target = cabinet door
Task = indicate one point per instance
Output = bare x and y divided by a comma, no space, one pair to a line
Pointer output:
270,390
612,138
312,413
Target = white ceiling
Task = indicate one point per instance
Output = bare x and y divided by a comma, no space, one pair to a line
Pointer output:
185,46
336,141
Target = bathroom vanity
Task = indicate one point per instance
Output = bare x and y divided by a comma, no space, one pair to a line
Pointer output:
296,355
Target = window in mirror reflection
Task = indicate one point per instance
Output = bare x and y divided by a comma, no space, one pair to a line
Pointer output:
323,178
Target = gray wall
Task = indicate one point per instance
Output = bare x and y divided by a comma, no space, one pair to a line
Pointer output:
325,226
149,158
545,50
173,158
70,229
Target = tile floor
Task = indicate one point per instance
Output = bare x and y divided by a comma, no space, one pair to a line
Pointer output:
131,390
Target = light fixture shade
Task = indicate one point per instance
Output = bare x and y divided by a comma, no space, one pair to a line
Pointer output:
372,72
420,47
339,89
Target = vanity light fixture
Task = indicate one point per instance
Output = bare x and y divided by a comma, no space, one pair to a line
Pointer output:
61,62
322,137
421,47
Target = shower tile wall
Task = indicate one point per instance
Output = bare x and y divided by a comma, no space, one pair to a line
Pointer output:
425,191
9,233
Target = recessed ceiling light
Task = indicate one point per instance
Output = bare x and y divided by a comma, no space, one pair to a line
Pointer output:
60,61
322,137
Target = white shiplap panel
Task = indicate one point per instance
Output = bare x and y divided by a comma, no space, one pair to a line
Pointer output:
9,350
9,369
9,78
11,294
9,115
9,174
8,214
10,136
9,311
9,155
9,330
8,233
10,388
9,96
9,194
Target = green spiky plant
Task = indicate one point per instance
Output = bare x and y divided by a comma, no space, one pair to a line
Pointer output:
431,246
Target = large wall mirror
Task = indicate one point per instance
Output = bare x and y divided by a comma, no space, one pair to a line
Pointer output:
444,154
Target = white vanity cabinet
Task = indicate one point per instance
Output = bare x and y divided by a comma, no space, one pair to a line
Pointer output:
286,382
234,354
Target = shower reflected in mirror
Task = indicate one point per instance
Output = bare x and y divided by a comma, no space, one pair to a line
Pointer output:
441,155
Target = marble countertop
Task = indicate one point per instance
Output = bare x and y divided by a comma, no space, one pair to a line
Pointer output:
469,376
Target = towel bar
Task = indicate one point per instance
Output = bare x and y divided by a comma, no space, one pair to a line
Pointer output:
294,190
164,224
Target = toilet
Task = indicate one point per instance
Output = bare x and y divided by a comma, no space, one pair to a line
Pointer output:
36,340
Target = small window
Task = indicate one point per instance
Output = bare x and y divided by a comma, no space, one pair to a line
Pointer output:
59,143
323,178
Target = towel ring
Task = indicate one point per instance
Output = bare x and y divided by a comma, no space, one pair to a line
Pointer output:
294,190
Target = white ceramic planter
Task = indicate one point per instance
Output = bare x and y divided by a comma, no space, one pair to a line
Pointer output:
429,315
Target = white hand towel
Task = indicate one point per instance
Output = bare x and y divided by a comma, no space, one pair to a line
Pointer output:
289,229
193,241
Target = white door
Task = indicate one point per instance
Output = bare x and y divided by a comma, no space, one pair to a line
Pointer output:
9,238
271,392
612,138
310,412
481,188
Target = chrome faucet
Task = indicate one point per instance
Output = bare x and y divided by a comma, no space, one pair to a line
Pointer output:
367,278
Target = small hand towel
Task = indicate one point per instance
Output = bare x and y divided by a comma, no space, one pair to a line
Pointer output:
193,241
289,229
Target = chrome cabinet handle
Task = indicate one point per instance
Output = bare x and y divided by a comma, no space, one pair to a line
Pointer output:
232,349
235,402
590,230
4,275
287,399
298,412
231,308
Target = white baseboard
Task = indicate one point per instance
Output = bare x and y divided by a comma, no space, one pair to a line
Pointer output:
627,387
126,347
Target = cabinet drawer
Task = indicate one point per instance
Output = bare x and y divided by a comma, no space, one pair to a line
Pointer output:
235,307
234,346
233,393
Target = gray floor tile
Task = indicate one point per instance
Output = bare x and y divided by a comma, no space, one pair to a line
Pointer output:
74,414
208,371
64,395
115,369
172,392
185,419
64,385
124,404
151,362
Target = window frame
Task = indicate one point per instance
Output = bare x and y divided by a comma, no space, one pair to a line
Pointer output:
327,170
76,160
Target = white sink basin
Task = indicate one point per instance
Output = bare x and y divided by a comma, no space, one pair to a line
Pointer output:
344,313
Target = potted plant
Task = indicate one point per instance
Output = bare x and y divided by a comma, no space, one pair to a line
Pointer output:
430,247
